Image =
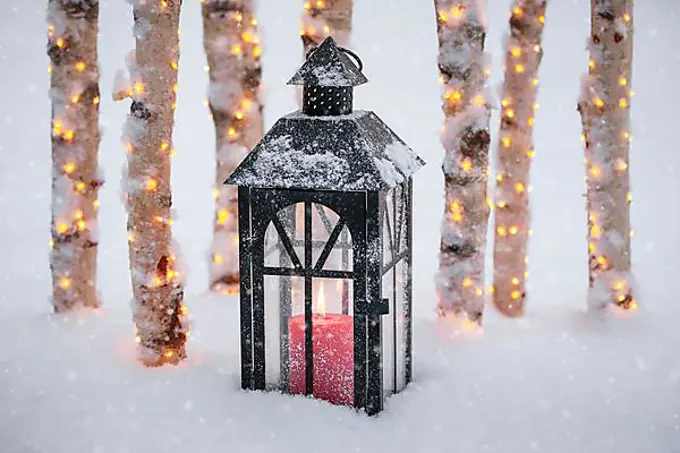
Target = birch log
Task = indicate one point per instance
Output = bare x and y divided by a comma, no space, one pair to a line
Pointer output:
516,149
157,307
232,47
605,114
323,18
72,48
465,137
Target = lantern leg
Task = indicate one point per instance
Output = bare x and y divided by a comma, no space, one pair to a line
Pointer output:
374,393
360,367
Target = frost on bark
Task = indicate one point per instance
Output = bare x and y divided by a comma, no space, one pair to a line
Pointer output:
465,137
605,114
158,309
233,50
72,49
323,18
516,149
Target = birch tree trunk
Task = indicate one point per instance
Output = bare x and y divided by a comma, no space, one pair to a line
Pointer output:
72,48
157,307
605,114
323,18
465,136
516,149
232,47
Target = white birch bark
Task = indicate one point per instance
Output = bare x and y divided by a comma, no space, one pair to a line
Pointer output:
232,46
323,18
605,113
158,309
72,48
523,55
465,137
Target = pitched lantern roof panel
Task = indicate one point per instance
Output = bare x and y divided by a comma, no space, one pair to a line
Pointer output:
328,65
349,152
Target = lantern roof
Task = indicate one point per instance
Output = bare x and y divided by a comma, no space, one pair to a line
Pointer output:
329,66
346,153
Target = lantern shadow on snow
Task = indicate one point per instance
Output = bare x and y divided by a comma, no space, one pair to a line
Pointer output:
325,236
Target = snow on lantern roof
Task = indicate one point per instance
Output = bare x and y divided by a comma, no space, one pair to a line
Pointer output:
346,153
329,66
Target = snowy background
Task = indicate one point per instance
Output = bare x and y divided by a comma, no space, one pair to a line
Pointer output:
556,381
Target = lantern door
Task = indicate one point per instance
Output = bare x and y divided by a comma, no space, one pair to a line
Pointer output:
304,296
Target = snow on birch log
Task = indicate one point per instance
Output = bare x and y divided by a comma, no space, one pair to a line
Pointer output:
516,149
460,282
232,47
72,48
323,18
158,309
605,114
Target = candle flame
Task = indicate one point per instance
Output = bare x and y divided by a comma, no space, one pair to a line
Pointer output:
321,300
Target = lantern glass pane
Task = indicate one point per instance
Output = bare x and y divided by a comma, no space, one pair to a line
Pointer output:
401,323
275,251
388,336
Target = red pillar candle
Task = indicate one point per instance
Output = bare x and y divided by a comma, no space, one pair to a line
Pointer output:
333,347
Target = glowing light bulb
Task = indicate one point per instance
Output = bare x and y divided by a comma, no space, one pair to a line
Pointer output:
62,228
139,87
519,68
510,113
222,216
467,282
466,164
69,168
236,49
151,184
80,66
519,187
502,231
231,132
599,103
623,103
514,230
591,64
623,82
246,103
65,283
515,281
505,102
596,231
507,141
238,115
479,100
516,52
515,295
218,259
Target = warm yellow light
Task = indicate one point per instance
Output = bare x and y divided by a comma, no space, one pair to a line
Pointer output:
623,82
96,204
62,228
502,204
217,259
138,339
492,289
57,127
515,281
131,237
519,68
537,48
505,102
164,4
466,164
246,103
531,121
517,11
621,165
457,11
257,51
80,186
499,177
236,49
595,171
165,145
174,65
519,187
467,282
222,216
531,154
238,115
591,63
516,52
502,231
479,292
599,103
629,197
479,100
253,21
627,18
515,295
514,230
623,103
631,233
308,5
61,43
69,168
81,225
151,184
65,282
78,214
506,141
169,353
68,135
80,66
510,113
231,132
175,89
602,261
95,100
591,247
595,231
320,4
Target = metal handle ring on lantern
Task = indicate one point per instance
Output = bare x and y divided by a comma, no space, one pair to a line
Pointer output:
354,56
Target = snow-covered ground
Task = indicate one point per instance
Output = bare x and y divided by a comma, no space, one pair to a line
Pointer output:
557,381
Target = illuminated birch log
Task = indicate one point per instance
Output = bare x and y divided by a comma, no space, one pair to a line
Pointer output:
233,50
605,114
158,308
516,149
323,18
465,137
72,48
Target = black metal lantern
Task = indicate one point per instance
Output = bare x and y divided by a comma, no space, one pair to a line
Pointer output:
325,234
